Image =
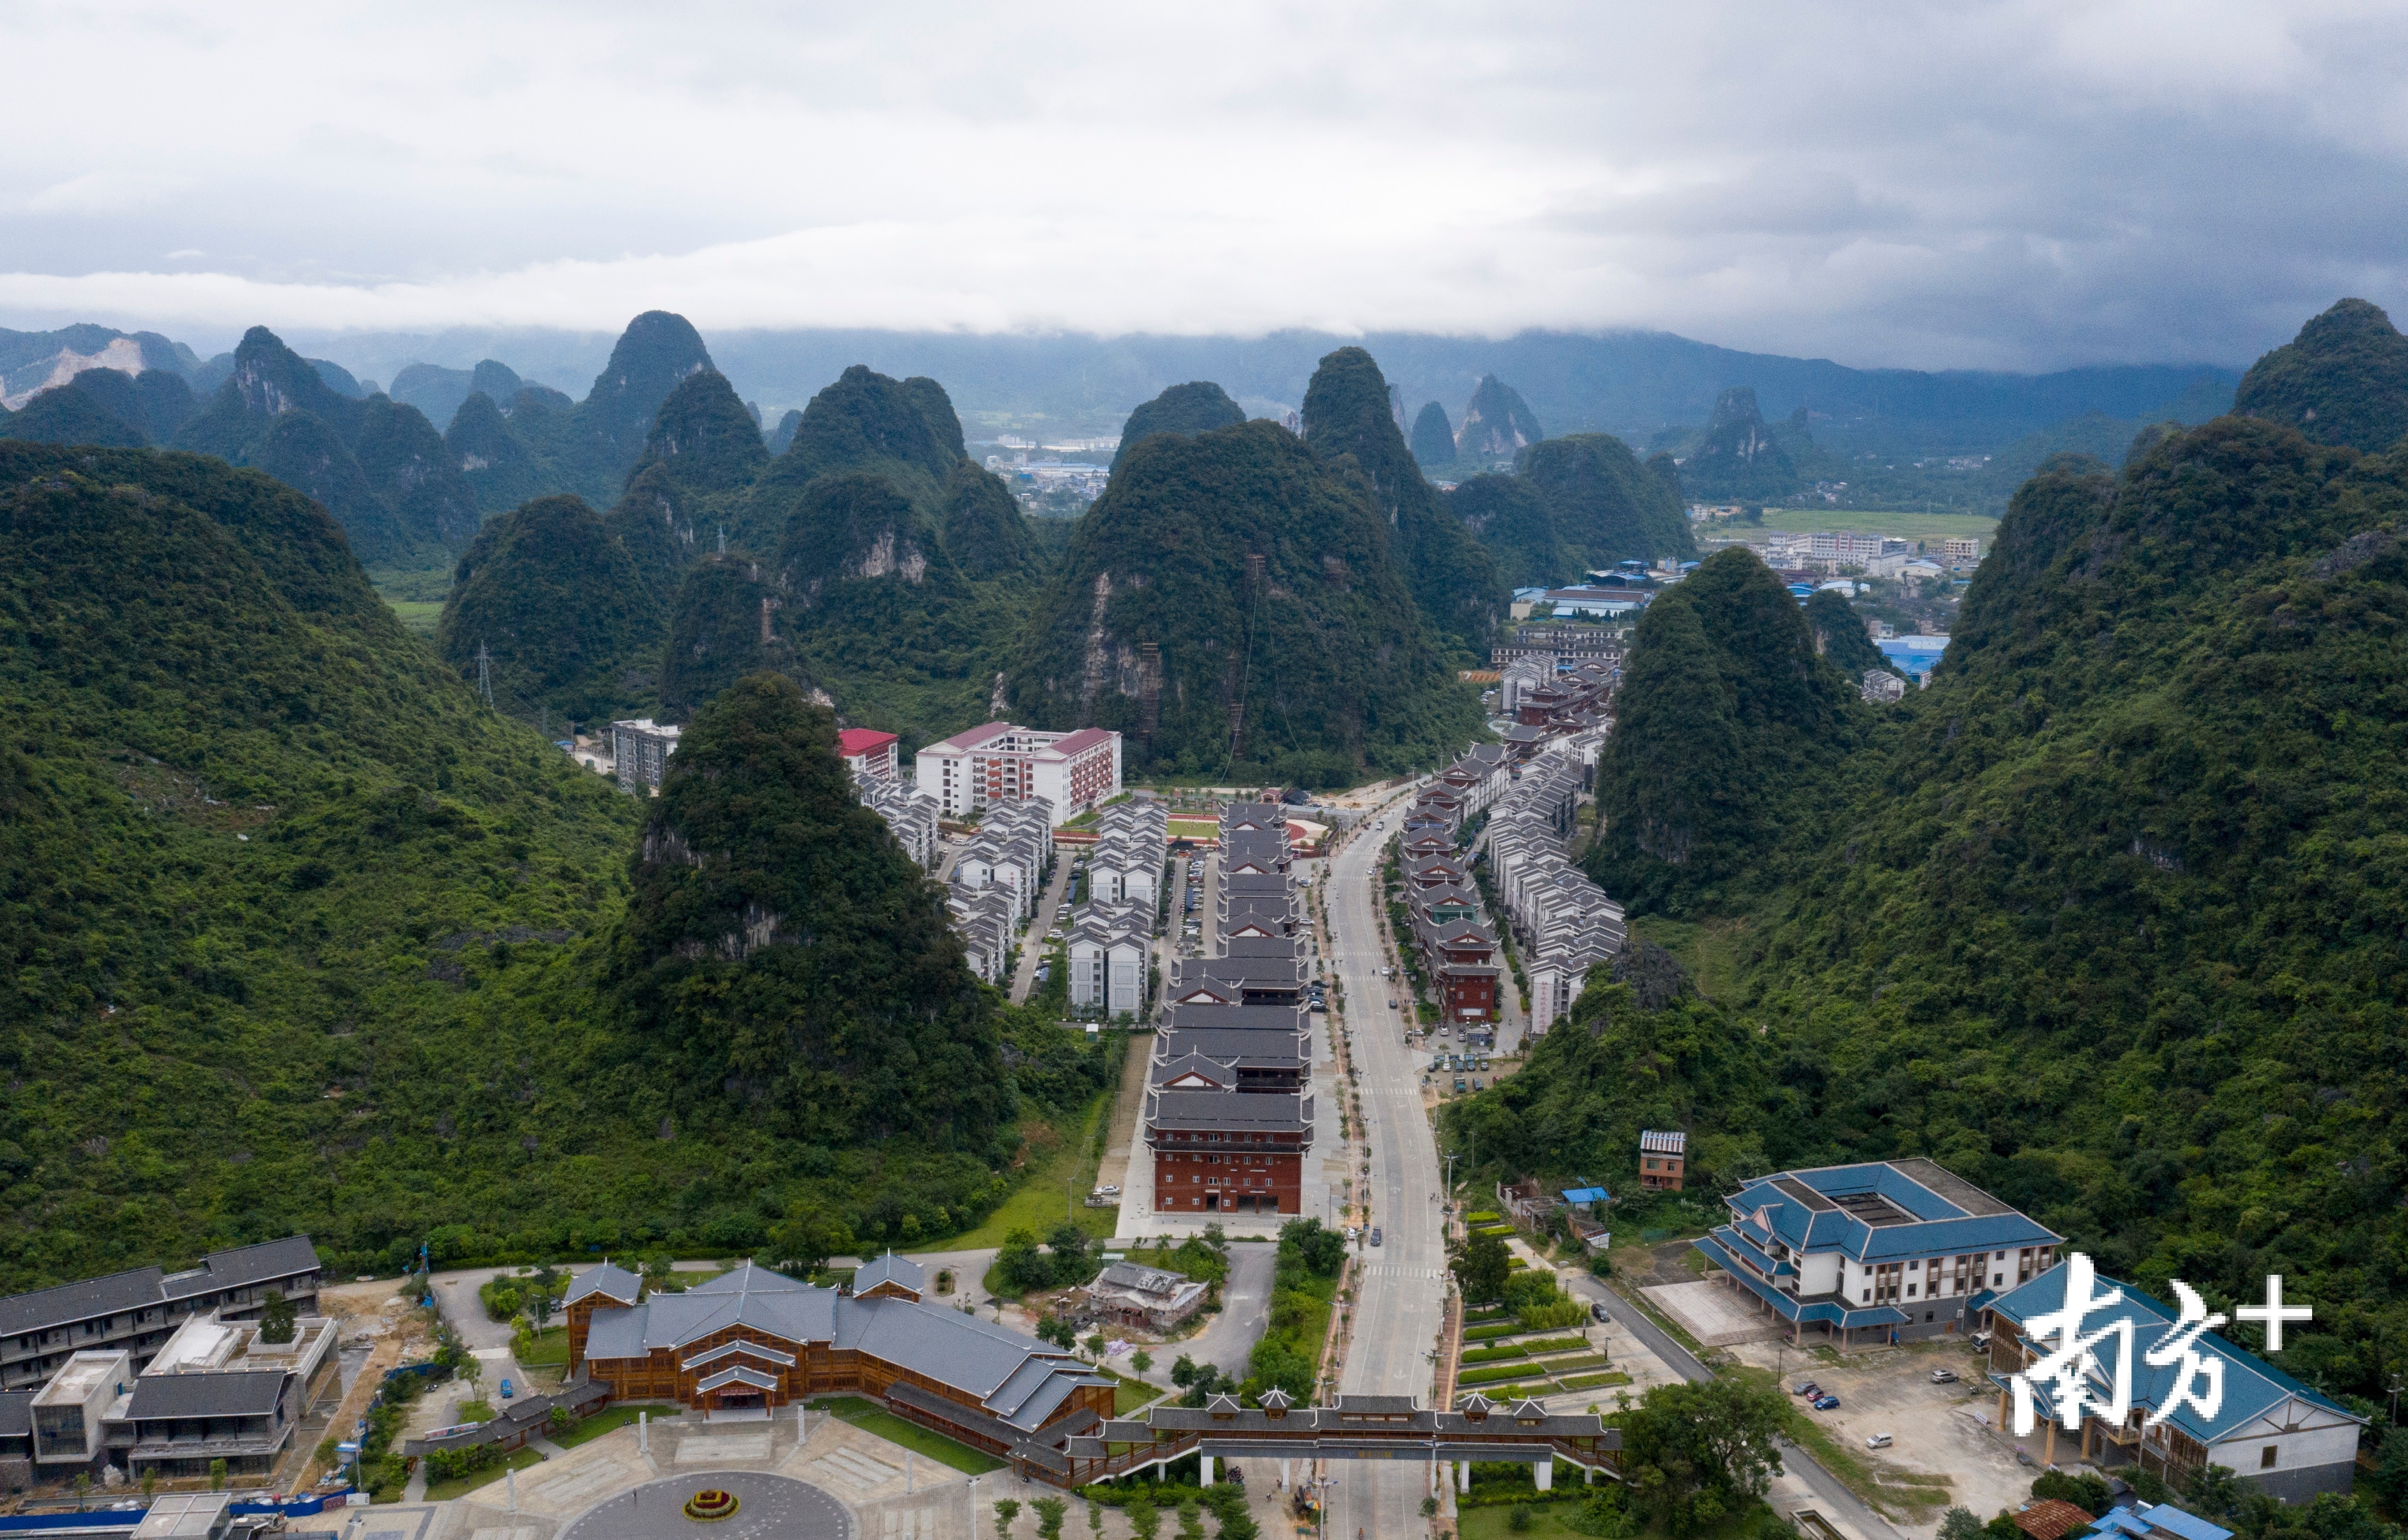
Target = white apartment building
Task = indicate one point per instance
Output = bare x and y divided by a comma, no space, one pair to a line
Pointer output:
999,764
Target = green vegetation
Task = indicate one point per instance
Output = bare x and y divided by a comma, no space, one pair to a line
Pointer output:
298,937
1347,419
1727,721
1196,408
2344,381
456,1473
1904,524
778,941
585,1430
2105,921
1573,503
556,609
871,1418
1739,459
1304,1285
1840,638
1324,655
1433,440
377,466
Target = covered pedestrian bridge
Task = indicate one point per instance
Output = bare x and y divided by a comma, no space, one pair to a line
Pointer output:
1356,1428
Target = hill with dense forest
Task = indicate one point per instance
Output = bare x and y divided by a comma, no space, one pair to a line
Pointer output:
2107,919
554,611
1739,459
780,944
1234,599
1726,718
1347,420
1197,406
2342,380
297,936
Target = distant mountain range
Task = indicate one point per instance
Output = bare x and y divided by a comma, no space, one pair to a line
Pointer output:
1628,383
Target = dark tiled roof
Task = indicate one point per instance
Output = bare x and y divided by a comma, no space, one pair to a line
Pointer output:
245,1265
247,1392
45,1308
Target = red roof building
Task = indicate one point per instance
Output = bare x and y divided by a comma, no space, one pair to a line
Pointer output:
866,751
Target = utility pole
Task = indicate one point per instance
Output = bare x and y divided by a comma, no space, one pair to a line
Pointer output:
723,540
484,676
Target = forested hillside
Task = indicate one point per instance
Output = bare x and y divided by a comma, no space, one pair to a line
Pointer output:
299,937
1347,420
1312,664
2108,919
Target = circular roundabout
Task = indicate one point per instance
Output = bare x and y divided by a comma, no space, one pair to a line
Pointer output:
724,1504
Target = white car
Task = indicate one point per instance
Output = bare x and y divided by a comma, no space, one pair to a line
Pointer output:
1878,1441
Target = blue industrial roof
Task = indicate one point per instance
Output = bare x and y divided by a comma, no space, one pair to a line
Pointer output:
1586,1195
2252,1387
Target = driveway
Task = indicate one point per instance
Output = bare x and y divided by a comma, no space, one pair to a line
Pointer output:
1245,1313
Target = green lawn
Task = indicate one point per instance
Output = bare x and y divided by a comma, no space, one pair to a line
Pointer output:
549,1351
415,597
872,1418
1905,526
1553,1519
1060,1180
474,1411
441,1491
1593,1382
608,1419
1129,1394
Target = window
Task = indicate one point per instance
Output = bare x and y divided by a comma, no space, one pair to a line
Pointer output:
2266,1457
1997,1278
1869,1298
1909,1291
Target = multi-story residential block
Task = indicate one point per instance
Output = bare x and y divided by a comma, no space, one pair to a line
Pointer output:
1882,1252
909,817
641,749
1067,772
867,752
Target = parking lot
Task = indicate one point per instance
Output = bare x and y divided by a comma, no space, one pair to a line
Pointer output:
1936,1429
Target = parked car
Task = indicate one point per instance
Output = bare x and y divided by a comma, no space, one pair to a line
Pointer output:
1878,1441
1981,1339
1458,1082
506,1392
1108,1191
1597,1313
1943,1376
1827,1403
1477,1086
1807,1388
1375,1234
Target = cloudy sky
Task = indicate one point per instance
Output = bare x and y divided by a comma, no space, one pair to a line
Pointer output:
2018,185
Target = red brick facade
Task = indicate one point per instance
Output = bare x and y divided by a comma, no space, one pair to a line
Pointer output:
1214,1178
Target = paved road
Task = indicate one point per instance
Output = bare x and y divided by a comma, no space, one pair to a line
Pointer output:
1828,1490
1401,1304
1245,1311
1033,949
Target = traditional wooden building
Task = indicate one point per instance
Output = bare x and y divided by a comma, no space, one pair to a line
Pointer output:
752,1340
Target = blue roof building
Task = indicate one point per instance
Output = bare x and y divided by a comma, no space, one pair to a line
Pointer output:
2268,1428
2157,1521
1917,655
1884,1251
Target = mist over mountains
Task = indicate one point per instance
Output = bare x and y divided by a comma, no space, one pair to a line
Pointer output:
1628,383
